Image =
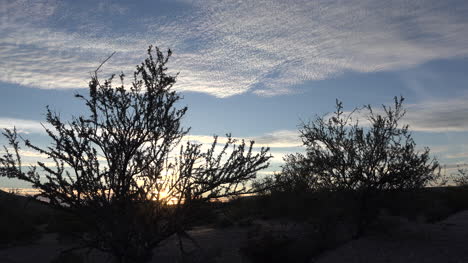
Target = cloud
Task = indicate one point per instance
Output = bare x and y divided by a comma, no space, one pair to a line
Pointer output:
280,139
439,116
276,139
21,191
448,115
459,165
22,126
458,155
281,143
453,168
32,154
435,149
267,173
228,47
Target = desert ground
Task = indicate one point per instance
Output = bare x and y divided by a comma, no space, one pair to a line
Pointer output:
397,240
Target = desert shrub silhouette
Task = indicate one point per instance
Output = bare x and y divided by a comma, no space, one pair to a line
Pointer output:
461,178
360,159
125,171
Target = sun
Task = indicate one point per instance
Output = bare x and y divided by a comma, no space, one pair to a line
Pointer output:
163,194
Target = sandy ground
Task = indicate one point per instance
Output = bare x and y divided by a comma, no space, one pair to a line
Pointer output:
403,241
445,241
221,245
42,250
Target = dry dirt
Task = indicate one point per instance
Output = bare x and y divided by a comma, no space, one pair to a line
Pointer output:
403,241
445,241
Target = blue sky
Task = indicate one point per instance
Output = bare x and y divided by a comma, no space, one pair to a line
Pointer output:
251,68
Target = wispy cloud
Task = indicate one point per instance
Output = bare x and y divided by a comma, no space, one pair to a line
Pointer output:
276,139
22,126
229,47
439,116
448,115
281,142
453,168
458,155
459,165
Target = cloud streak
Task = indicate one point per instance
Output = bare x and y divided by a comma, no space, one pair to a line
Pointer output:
276,139
22,126
439,116
225,48
449,115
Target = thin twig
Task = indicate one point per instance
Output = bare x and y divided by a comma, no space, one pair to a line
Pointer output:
98,68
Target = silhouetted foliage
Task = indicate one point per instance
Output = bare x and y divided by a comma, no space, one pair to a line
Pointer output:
124,169
461,178
344,156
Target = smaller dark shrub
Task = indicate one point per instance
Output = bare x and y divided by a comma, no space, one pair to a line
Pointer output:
461,179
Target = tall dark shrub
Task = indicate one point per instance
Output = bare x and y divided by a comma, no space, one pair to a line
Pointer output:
363,159
130,177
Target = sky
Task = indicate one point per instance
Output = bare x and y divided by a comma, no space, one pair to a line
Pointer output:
255,69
